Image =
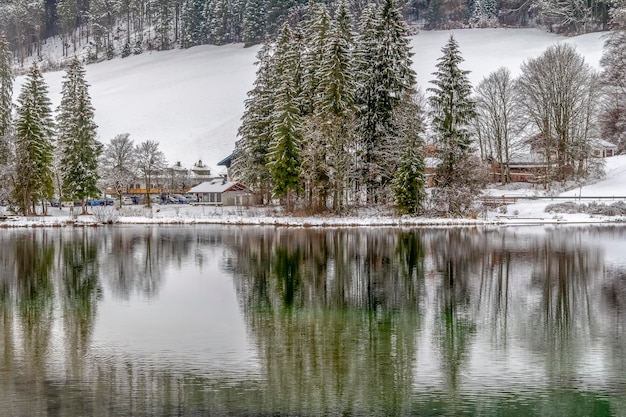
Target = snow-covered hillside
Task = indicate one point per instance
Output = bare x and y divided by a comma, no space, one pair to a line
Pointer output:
191,101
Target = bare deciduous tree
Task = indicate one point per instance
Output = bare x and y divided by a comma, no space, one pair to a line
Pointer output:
118,164
500,120
560,92
150,161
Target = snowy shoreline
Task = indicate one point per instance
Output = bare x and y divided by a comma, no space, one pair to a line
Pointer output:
191,216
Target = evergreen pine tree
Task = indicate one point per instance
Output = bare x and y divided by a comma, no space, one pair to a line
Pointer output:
77,147
6,89
317,33
453,112
6,110
126,51
34,130
344,22
138,48
254,18
330,129
220,22
385,74
409,181
193,23
613,76
163,18
250,156
284,157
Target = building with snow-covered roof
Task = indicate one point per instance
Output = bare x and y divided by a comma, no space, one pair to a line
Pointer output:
222,193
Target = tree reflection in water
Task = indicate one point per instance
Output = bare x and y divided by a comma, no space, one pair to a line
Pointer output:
343,321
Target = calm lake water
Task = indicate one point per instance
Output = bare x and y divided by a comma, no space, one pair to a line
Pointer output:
194,321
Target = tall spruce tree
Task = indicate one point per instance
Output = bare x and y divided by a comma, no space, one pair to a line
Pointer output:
34,132
78,148
284,157
409,181
453,112
250,156
385,75
194,26
6,110
254,22
613,77
317,33
330,132
6,89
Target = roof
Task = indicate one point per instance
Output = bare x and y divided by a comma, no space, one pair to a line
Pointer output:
217,186
603,143
227,161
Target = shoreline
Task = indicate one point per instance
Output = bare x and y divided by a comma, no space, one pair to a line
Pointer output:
188,216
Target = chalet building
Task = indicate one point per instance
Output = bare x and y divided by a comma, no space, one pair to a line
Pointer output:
175,179
601,148
220,192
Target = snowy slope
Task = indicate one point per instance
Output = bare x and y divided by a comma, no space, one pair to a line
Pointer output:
191,101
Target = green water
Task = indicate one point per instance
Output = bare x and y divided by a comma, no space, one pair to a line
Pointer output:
195,321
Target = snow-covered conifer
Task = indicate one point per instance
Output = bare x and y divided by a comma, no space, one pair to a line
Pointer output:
284,157
409,181
34,132
385,74
254,22
330,129
613,77
6,88
6,110
250,156
317,33
78,148
194,27
452,110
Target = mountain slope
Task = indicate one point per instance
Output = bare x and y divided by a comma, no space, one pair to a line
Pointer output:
191,101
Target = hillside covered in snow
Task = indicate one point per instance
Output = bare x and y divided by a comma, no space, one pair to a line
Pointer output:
191,100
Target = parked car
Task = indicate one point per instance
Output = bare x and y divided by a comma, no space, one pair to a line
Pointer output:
126,200
180,198
191,198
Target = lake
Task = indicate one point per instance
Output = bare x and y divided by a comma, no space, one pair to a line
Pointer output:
238,321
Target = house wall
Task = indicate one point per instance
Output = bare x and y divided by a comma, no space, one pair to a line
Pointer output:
231,198
237,198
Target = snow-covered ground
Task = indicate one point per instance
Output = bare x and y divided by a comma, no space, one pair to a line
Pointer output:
524,211
191,100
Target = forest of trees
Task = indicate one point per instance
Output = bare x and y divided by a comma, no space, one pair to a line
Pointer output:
109,28
336,119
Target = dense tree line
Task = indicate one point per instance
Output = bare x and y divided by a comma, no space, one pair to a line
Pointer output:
108,28
43,157
333,113
335,118
49,154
